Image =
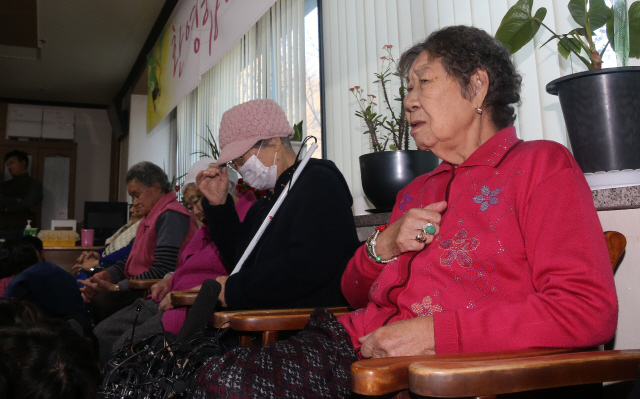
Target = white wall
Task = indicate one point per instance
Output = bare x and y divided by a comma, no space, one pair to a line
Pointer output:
93,135
157,146
627,276
123,196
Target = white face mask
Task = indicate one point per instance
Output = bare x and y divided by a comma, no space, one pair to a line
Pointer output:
259,176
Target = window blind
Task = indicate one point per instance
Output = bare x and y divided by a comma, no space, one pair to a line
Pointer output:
356,30
267,62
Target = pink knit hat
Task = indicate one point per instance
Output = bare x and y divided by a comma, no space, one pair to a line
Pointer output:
244,125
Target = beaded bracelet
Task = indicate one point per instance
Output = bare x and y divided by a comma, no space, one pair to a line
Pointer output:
371,247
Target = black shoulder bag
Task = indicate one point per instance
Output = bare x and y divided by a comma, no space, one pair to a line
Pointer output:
161,366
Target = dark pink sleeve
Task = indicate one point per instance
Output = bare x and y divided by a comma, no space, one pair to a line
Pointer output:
245,202
361,271
574,303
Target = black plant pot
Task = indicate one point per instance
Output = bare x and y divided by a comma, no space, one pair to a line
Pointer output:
602,112
385,173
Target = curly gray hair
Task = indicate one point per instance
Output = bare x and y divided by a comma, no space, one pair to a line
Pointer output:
462,50
148,173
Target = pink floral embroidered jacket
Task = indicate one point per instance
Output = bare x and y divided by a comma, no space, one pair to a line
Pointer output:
142,254
520,260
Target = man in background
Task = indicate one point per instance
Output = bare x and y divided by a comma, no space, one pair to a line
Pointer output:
19,197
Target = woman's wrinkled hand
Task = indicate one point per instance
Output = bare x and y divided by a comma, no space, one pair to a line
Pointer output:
400,236
160,289
165,304
88,264
410,337
95,284
214,184
87,255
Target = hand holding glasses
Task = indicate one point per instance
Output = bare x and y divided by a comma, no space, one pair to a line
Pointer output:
214,184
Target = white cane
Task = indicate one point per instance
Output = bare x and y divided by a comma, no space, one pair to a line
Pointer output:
273,210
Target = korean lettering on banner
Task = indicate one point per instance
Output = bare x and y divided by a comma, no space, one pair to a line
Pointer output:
186,48
202,20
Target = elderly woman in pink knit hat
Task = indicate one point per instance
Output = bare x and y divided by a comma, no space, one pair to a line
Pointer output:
300,258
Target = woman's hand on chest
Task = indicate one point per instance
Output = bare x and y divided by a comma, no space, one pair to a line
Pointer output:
411,232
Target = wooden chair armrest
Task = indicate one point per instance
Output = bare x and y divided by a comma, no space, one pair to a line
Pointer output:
183,298
269,320
142,284
374,377
493,377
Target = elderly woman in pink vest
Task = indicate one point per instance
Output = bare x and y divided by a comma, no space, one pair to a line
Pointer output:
164,231
200,260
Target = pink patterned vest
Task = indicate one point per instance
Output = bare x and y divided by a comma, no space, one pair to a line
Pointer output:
144,246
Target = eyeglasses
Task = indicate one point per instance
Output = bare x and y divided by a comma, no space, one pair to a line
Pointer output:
236,164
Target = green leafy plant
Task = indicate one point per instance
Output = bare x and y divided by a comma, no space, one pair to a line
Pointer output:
297,132
380,128
212,151
519,26
212,147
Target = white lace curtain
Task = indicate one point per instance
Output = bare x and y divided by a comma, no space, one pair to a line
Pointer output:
356,30
267,62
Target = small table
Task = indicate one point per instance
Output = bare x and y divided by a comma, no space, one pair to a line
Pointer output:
65,257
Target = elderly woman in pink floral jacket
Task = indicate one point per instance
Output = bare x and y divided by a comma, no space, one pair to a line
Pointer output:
498,248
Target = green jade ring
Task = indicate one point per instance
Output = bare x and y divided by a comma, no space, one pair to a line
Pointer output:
429,228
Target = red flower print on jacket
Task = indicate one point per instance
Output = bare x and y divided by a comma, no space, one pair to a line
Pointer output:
482,274
426,308
373,289
457,249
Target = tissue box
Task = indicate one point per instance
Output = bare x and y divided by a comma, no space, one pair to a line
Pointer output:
58,238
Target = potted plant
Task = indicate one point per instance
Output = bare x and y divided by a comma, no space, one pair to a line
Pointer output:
296,140
599,105
391,165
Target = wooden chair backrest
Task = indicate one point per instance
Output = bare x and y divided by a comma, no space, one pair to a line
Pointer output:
616,243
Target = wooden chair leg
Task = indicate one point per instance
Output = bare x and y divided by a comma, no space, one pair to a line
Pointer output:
269,336
246,340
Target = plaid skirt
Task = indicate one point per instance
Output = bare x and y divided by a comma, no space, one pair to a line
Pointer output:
315,363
